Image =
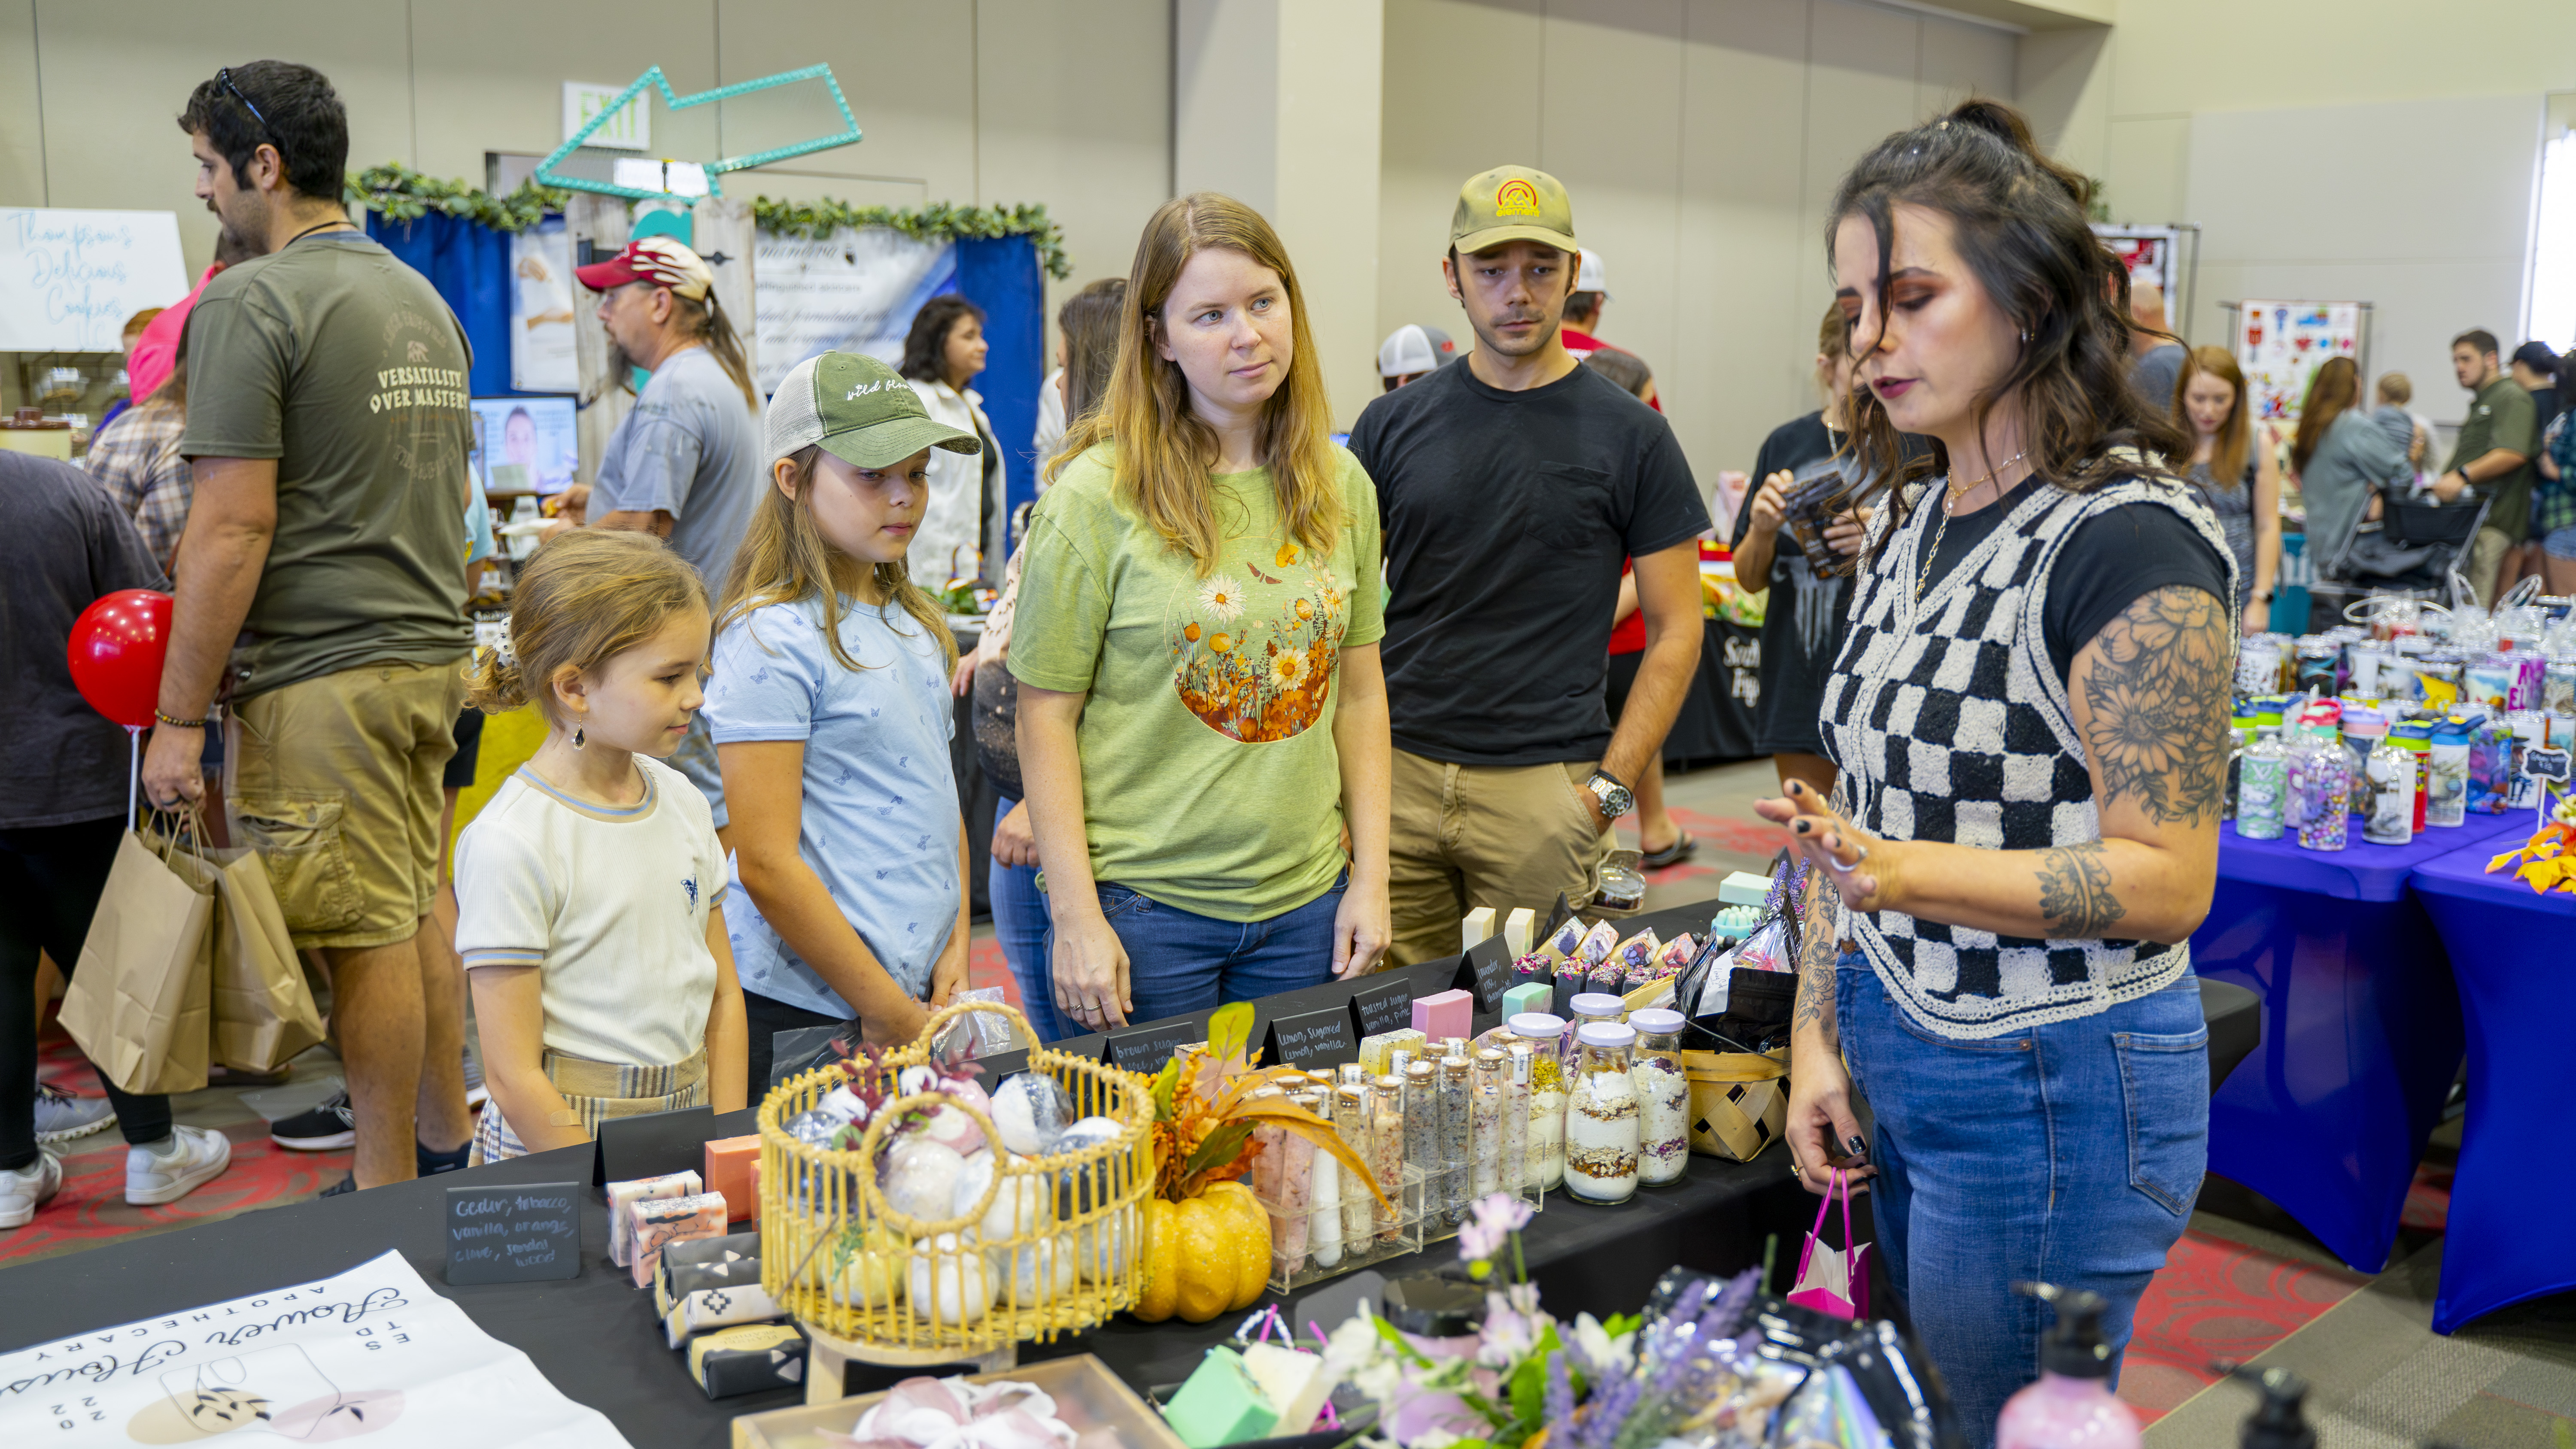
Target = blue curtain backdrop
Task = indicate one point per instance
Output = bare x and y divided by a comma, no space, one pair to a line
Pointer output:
1000,274
469,264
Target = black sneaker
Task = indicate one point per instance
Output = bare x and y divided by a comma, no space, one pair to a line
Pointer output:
344,1185
322,1129
430,1164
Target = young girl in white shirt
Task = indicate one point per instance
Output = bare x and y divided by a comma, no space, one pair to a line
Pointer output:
588,890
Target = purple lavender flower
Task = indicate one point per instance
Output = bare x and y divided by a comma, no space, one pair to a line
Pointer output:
1560,1391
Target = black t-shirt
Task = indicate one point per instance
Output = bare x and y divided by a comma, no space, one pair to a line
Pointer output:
1506,516
66,546
1804,617
2113,560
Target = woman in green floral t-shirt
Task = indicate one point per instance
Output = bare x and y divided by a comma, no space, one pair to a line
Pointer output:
1203,727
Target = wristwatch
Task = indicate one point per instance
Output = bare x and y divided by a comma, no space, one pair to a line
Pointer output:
1615,798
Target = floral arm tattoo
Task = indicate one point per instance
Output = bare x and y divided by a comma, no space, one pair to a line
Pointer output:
2158,692
1818,951
2075,892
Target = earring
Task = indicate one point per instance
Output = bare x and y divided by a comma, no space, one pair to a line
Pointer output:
2025,337
578,738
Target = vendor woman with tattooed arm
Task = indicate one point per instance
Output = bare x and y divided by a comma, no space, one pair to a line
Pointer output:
2030,718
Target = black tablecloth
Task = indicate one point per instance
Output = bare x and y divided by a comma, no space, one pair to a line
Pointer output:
1716,719
595,1337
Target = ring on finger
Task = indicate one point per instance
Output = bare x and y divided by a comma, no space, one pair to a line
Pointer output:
1861,854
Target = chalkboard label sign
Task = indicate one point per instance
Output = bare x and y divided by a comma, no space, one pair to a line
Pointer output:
1384,1007
1488,973
1314,1039
654,1144
1146,1048
514,1233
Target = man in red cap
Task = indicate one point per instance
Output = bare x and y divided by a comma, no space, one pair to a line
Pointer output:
686,463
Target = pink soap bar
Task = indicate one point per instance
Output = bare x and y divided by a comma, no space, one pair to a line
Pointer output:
1450,1013
671,1220
622,1197
733,1168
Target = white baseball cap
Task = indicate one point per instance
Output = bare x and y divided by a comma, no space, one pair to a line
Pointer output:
1592,277
1414,348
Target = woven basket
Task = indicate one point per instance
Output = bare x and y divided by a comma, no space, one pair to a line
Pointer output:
840,1258
1739,1102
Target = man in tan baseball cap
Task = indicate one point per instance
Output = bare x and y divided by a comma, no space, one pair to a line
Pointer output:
1510,489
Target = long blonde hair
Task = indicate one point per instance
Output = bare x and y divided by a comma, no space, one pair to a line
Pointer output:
587,595
1161,451
784,559
2226,451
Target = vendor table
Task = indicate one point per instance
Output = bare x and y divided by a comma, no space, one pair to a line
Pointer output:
2512,955
1716,718
2361,1035
595,1336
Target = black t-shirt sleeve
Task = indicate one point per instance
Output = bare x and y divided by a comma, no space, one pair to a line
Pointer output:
1668,509
2113,561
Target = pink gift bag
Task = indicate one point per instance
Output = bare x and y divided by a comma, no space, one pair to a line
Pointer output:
1833,1280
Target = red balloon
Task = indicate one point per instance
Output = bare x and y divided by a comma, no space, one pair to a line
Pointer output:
118,644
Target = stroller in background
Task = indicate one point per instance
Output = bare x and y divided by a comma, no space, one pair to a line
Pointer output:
2412,548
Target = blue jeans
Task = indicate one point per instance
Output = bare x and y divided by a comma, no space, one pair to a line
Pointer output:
1020,924
2068,1153
1179,962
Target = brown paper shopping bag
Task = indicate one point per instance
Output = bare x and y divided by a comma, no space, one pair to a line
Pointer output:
138,999
264,1012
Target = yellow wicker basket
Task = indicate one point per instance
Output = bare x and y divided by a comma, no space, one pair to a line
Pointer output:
840,1258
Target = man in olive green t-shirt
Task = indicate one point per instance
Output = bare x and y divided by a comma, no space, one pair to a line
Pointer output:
322,577
2497,439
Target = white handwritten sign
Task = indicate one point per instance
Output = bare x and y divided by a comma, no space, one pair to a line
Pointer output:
69,279
853,292
371,1352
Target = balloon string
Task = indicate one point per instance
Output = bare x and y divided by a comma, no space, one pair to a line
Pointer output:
133,770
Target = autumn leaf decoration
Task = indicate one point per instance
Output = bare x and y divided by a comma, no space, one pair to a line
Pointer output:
1207,1101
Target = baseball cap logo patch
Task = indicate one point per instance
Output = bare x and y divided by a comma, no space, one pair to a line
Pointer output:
1516,198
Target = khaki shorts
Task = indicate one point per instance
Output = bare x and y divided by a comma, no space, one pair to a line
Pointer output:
2487,553
1485,835
336,782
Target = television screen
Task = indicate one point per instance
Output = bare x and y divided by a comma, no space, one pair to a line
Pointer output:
525,444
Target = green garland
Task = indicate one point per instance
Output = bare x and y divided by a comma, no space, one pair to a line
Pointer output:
398,193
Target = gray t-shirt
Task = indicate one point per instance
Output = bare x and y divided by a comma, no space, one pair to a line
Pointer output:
692,448
66,545
2156,373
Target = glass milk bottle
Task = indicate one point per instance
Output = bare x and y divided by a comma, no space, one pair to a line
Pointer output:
1601,1126
1544,1033
1663,1097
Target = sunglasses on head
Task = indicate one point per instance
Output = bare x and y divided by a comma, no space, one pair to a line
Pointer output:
225,77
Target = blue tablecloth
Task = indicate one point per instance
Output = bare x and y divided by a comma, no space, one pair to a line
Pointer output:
2361,1027
2514,956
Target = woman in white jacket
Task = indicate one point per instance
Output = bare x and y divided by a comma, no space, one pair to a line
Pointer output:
941,356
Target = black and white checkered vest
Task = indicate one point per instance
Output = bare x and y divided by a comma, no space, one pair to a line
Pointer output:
1950,723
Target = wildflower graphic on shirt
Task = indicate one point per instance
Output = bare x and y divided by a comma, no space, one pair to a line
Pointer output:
1253,649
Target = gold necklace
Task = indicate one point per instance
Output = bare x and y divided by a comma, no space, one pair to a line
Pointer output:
1949,501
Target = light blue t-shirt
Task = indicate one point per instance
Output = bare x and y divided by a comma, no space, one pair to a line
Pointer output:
881,823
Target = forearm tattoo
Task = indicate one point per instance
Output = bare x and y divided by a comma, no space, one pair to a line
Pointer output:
2158,695
1818,953
2075,892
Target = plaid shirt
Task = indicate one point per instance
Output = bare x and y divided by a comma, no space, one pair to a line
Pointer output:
2553,502
136,459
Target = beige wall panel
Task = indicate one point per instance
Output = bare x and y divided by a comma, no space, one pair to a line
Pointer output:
1962,60
22,156
1437,51
1330,109
116,72
490,74
1748,254
2151,156
908,70
2062,78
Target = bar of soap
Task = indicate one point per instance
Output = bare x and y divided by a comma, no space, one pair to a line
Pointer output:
669,1220
1220,1404
1476,929
1528,996
1292,1380
687,1267
1445,1014
1375,1050
708,1309
1742,888
622,1197
733,1168
748,1359
1518,927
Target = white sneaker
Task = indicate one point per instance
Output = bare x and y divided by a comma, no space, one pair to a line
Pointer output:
196,1157
25,1189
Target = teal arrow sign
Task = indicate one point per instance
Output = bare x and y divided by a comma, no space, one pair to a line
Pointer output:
546,174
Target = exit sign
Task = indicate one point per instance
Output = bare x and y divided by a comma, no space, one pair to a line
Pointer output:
630,129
